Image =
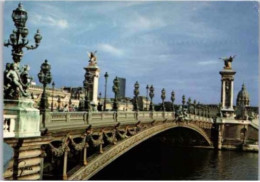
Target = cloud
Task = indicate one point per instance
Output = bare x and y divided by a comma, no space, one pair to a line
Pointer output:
49,21
207,62
142,23
110,49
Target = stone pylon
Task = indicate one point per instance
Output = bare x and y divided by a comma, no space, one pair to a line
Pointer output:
227,92
94,71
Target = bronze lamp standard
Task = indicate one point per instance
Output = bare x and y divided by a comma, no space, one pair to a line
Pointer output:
183,102
44,78
189,104
136,93
194,105
105,99
53,85
163,95
20,80
173,99
151,94
147,90
18,39
116,91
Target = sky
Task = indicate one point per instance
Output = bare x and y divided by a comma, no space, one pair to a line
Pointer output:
171,45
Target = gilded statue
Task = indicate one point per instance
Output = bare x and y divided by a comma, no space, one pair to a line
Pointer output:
92,58
228,61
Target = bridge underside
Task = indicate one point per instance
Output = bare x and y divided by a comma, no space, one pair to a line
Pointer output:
97,162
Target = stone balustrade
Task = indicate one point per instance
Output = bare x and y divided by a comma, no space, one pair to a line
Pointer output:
69,120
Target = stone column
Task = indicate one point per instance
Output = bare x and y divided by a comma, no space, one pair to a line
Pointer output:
223,98
231,95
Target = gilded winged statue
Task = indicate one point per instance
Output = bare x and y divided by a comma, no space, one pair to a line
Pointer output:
228,61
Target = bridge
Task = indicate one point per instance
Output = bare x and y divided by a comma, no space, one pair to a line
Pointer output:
77,145
107,134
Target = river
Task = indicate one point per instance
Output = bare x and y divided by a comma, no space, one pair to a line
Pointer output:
153,160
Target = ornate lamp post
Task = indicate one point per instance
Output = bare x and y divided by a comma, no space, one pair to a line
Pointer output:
198,106
194,104
87,82
151,94
147,90
44,78
53,85
18,41
189,103
172,99
136,93
163,95
105,99
183,102
99,102
116,91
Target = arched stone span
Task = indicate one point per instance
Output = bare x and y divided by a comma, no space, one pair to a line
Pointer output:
98,162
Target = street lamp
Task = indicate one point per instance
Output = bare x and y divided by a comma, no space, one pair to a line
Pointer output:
183,102
105,99
163,95
18,41
99,102
44,78
53,85
194,104
173,99
136,93
116,91
198,106
147,90
189,103
151,94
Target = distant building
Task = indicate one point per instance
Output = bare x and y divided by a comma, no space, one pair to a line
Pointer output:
122,83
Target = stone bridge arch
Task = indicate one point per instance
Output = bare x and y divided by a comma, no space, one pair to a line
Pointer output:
111,153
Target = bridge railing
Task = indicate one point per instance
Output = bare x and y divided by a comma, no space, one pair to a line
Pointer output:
58,120
61,120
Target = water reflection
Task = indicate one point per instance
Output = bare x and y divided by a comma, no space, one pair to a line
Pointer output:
154,160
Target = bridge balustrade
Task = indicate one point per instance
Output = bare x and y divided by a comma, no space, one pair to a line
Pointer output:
60,120
9,126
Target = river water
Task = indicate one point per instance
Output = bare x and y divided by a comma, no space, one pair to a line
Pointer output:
153,160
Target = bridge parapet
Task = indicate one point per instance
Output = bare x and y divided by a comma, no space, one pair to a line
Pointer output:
63,120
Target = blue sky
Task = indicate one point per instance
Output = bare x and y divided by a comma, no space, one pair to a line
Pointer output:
172,45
